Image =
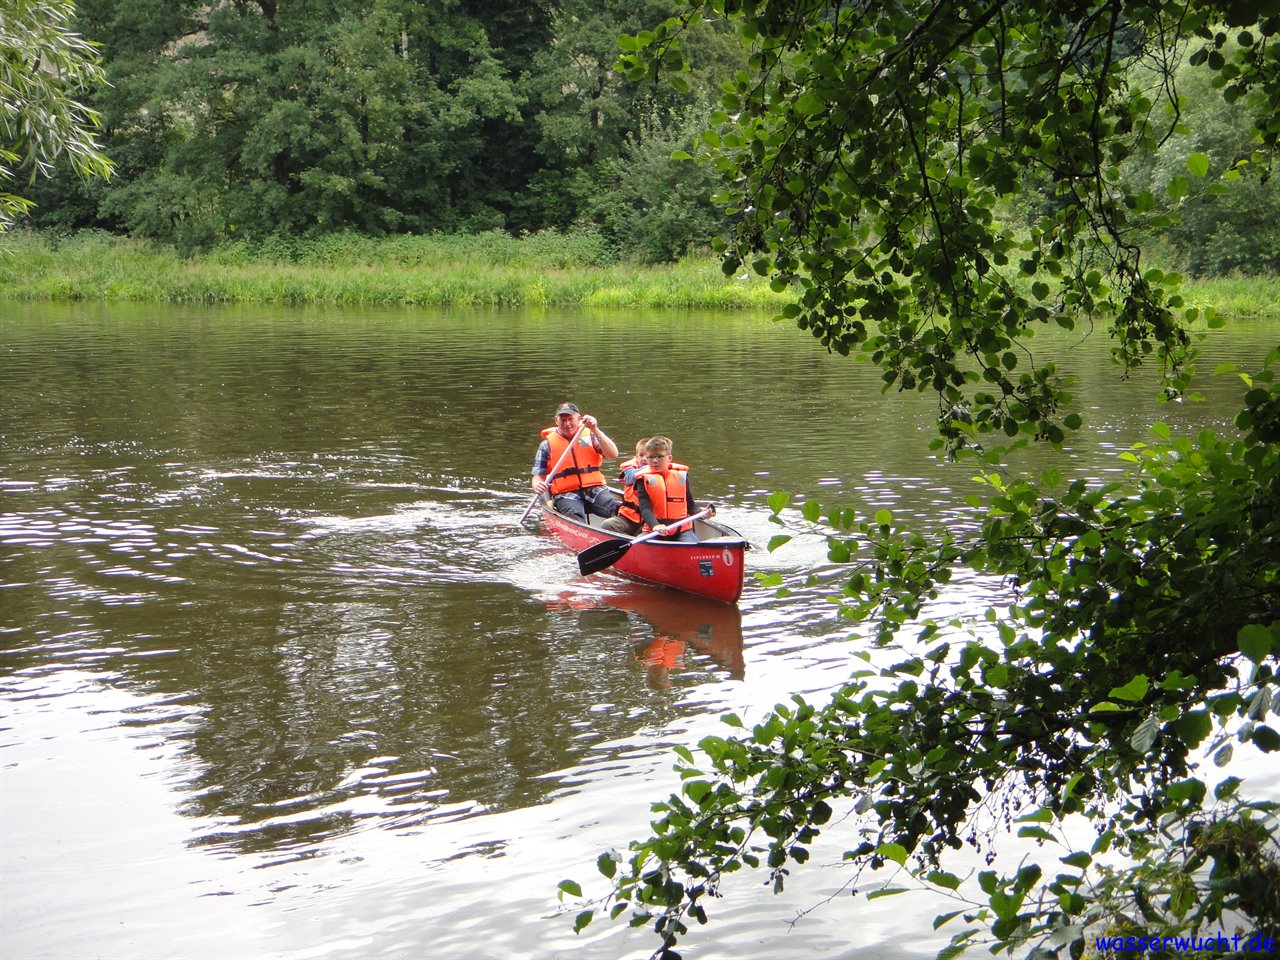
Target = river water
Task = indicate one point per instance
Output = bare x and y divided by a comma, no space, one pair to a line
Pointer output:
281,676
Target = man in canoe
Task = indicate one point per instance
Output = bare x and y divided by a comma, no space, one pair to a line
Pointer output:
571,452
663,494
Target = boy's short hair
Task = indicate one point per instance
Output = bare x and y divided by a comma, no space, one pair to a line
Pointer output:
642,446
658,446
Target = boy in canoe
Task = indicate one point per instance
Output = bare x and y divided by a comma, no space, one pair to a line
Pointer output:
663,493
627,520
574,449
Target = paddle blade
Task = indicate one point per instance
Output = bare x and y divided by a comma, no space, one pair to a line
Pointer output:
602,555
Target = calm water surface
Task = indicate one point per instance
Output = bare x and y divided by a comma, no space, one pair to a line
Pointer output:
280,676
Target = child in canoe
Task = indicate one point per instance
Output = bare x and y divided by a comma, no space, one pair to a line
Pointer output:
663,494
627,520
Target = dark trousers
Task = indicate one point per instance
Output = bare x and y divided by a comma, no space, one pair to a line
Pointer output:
599,501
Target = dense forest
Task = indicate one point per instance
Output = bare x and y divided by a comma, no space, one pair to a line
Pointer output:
263,122
250,120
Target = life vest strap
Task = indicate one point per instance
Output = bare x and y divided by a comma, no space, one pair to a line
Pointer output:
574,471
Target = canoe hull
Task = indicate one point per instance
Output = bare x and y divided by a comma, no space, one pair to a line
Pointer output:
711,568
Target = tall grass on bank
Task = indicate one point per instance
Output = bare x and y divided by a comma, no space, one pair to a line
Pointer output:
547,268
1235,296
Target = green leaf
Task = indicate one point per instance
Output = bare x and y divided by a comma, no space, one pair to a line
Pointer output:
943,879
696,790
1144,735
1004,904
1178,188
1133,691
570,888
943,918
777,540
607,865
810,104
811,510
1193,727
1198,164
1255,642
777,500
1176,680
884,518
951,951
1189,789
885,892
1227,788
893,851
581,921
1266,739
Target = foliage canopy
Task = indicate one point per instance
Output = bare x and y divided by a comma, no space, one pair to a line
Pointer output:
44,67
873,159
248,121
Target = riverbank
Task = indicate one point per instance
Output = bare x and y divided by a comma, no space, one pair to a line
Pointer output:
484,270
492,269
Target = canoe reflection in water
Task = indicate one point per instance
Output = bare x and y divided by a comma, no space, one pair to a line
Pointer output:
671,631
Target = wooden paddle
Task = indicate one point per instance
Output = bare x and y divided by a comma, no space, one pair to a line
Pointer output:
608,552
552,473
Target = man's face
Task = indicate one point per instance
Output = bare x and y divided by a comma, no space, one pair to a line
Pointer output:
568,423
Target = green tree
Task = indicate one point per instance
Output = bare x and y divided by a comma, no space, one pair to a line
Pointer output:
596,129
256,120
866,158
44,67
1229,220
654,203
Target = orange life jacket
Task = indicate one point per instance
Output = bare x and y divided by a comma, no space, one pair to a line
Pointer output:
580,469
630,507
670,495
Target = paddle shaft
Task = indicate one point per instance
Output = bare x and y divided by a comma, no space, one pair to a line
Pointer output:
607,553
567,451
673,528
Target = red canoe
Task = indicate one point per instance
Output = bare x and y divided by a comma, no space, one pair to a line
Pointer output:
711,568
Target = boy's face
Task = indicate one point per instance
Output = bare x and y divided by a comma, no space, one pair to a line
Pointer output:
642,457
659,461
